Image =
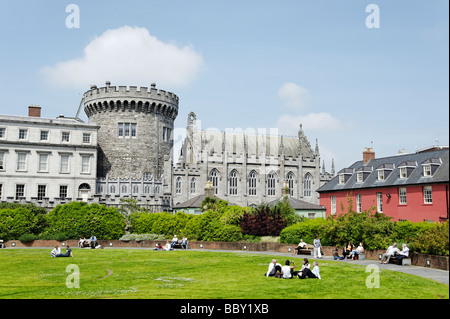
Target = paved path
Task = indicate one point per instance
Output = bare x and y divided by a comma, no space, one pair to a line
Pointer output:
431,273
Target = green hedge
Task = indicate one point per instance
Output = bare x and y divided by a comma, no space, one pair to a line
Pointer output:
14,222
78,219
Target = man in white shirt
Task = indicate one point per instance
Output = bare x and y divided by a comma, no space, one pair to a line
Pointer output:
287,270
389,253
274,267
56,251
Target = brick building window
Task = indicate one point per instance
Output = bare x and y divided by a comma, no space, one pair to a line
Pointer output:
402,196
427,195
380,202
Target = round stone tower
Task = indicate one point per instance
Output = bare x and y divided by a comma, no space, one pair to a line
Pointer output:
135,129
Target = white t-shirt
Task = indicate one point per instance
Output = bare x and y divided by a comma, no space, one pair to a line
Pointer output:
286,271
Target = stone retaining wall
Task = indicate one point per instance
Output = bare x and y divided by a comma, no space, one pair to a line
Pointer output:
439,262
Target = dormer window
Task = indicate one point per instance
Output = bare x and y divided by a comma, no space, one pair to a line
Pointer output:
427,170
384,170
403,172
344,175
430,166
362,173
406,168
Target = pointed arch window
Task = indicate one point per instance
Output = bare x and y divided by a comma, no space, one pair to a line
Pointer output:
233,182
178,185
271,184
290,183
252,183
192,185
214,178
307,183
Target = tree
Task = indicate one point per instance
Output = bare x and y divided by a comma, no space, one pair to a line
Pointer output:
264,221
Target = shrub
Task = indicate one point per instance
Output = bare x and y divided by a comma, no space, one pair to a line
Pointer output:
78,219
141,237
434,240
26,238
14,222
264,221
305,230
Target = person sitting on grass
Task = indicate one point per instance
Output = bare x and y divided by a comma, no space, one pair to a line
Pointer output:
168,246
56,251
67,254
287,270
313,274
274,268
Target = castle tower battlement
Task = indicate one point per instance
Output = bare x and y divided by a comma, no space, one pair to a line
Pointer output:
145,100
135,130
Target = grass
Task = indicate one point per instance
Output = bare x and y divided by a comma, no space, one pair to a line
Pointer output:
136,273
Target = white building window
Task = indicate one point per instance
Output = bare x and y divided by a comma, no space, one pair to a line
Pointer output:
381,175
252,183
271,180
64,165
359,177
341,179
380,202
41,193
43,162
44,136
214,178
178,185
20,191
63,191
307,185
402,196
233,182
2,160
87,138
85,163
2,132
65,137
192,185
23,134
21,161
333,205
427,195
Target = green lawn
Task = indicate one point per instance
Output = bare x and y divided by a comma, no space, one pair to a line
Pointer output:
136,273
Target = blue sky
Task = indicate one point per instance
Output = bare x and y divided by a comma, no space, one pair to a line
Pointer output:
245,65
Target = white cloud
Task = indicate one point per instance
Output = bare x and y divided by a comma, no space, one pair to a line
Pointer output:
294,95
127,56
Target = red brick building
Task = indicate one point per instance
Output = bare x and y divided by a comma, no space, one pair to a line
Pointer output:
412,187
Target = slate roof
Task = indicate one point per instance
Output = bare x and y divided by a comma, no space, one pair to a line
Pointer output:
391,164
194,202
298,204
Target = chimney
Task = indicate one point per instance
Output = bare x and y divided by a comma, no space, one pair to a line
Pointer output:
209,189
368,154
34,111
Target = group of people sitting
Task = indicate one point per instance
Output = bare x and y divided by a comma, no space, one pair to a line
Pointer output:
287,271
91,242
171,245
56,252
397,253
349,252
